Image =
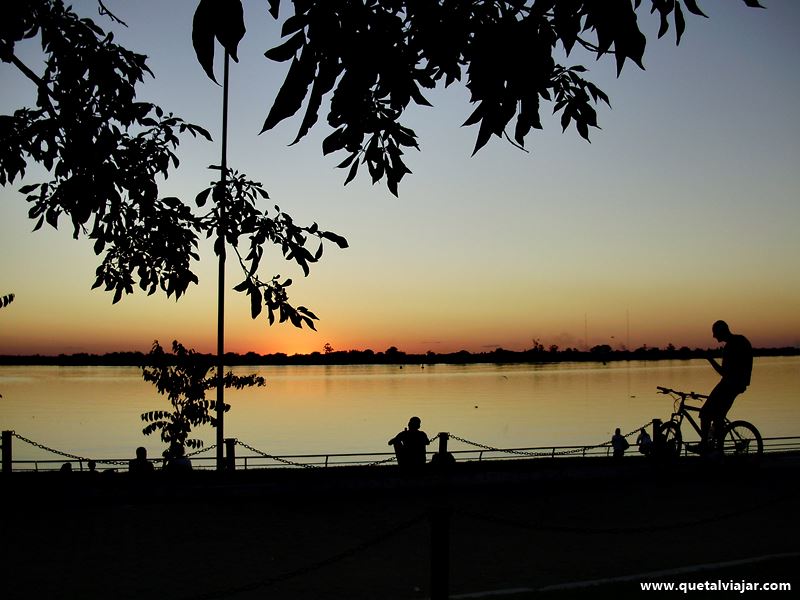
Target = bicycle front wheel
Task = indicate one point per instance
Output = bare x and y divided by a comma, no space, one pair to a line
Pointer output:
671,439
742,439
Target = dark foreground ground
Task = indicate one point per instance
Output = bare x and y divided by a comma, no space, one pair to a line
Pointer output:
523,529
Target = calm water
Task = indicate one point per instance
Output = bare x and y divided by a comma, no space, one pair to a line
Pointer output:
95,411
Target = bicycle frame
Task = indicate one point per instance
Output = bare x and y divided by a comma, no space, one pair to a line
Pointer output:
737,437
684,410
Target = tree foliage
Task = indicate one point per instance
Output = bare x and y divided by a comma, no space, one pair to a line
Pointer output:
103,149
105,153
375,57
6,300
241,218
183,376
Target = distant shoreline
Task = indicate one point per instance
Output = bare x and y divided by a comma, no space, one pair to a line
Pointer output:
600,354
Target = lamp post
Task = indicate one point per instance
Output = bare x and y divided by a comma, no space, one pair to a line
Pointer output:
221,276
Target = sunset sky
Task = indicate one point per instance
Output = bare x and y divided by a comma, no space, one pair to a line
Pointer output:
683,209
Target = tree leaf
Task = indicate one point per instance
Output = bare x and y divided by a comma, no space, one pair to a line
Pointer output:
202,197
691,6
229,25
203,36
293,91
288,49
680,22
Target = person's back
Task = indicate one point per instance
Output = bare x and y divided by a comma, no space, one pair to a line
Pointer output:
177,462
415,442
140,465
410,445
644,442
619,444
737,361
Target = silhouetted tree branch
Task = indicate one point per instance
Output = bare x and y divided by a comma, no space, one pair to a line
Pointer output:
374,57
6,300
105,153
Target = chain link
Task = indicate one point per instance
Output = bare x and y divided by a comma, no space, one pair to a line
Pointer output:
201,450
64,454
580,450
279,459
382,462
308,466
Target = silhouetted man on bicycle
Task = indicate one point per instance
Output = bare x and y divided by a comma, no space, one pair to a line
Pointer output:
735,370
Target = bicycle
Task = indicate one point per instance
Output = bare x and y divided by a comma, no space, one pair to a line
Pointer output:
740,438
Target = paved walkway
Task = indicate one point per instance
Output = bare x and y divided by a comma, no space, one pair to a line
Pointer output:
295,535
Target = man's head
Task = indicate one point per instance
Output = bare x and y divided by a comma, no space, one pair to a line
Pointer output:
141,453
414,423
720,331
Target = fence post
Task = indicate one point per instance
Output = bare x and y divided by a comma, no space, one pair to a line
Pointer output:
230,454
443,437
658,441
6,448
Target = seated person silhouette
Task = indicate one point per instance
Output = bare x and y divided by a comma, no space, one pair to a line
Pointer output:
140,465
409,445
644,442
176,460
619,444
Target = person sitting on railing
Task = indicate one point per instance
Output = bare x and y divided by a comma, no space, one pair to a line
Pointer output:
619,444
644,442
176,460
409,445
140,465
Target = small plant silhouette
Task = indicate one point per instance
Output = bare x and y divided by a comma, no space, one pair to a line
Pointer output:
183,376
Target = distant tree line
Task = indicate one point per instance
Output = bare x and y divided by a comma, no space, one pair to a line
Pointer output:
537,354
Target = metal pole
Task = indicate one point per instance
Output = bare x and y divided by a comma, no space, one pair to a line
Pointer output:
658,440
221,278
230,454
6,441
443,437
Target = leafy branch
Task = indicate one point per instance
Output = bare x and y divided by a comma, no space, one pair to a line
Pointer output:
235,214
374,58
104,150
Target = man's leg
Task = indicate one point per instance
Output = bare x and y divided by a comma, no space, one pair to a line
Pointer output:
713,411
724,405
709,413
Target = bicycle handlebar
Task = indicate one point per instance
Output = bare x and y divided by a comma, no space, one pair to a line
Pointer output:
684,395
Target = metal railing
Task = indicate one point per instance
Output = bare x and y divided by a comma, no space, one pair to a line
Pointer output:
257,460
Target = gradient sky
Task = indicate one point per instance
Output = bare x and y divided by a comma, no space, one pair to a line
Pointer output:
683,209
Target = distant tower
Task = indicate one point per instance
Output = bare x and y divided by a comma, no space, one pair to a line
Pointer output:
585,332
627,329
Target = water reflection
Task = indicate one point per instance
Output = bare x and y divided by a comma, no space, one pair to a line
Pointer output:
309,409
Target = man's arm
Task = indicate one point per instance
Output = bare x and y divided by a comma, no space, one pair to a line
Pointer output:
716,365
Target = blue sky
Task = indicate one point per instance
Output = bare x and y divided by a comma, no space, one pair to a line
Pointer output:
682,210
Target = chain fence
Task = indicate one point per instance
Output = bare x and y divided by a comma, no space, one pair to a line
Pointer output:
276,458
22,438
82,459
548,453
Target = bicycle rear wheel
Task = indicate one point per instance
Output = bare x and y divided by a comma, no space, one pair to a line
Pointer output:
671,439
742,439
